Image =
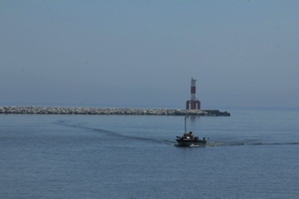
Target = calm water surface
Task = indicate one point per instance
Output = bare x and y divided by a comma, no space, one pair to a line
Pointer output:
252,154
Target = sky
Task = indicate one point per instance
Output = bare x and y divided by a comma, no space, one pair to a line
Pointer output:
143,53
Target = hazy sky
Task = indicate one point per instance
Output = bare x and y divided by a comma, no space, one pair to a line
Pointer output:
143,53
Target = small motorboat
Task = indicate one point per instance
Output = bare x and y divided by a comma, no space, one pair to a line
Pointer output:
188,139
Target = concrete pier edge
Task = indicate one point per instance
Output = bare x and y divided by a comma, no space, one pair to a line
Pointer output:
108,111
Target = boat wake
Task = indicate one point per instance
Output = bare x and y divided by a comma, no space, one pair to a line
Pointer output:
113,133
172,142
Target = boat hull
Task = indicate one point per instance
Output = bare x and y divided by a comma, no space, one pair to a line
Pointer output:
185,142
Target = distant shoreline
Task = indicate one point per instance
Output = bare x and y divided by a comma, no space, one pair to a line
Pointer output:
108,111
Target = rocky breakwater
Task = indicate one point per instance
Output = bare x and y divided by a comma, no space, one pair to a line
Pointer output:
108,111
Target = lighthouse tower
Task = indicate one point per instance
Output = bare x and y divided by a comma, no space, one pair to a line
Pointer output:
193,103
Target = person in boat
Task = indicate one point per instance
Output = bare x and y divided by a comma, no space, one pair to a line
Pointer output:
190,135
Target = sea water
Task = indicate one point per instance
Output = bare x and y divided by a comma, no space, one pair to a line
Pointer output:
252,154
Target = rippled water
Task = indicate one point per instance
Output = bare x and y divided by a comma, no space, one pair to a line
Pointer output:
252,154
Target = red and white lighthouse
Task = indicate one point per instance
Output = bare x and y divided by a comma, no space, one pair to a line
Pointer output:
193,103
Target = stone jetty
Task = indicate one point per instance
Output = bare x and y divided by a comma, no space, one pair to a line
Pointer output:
108,111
